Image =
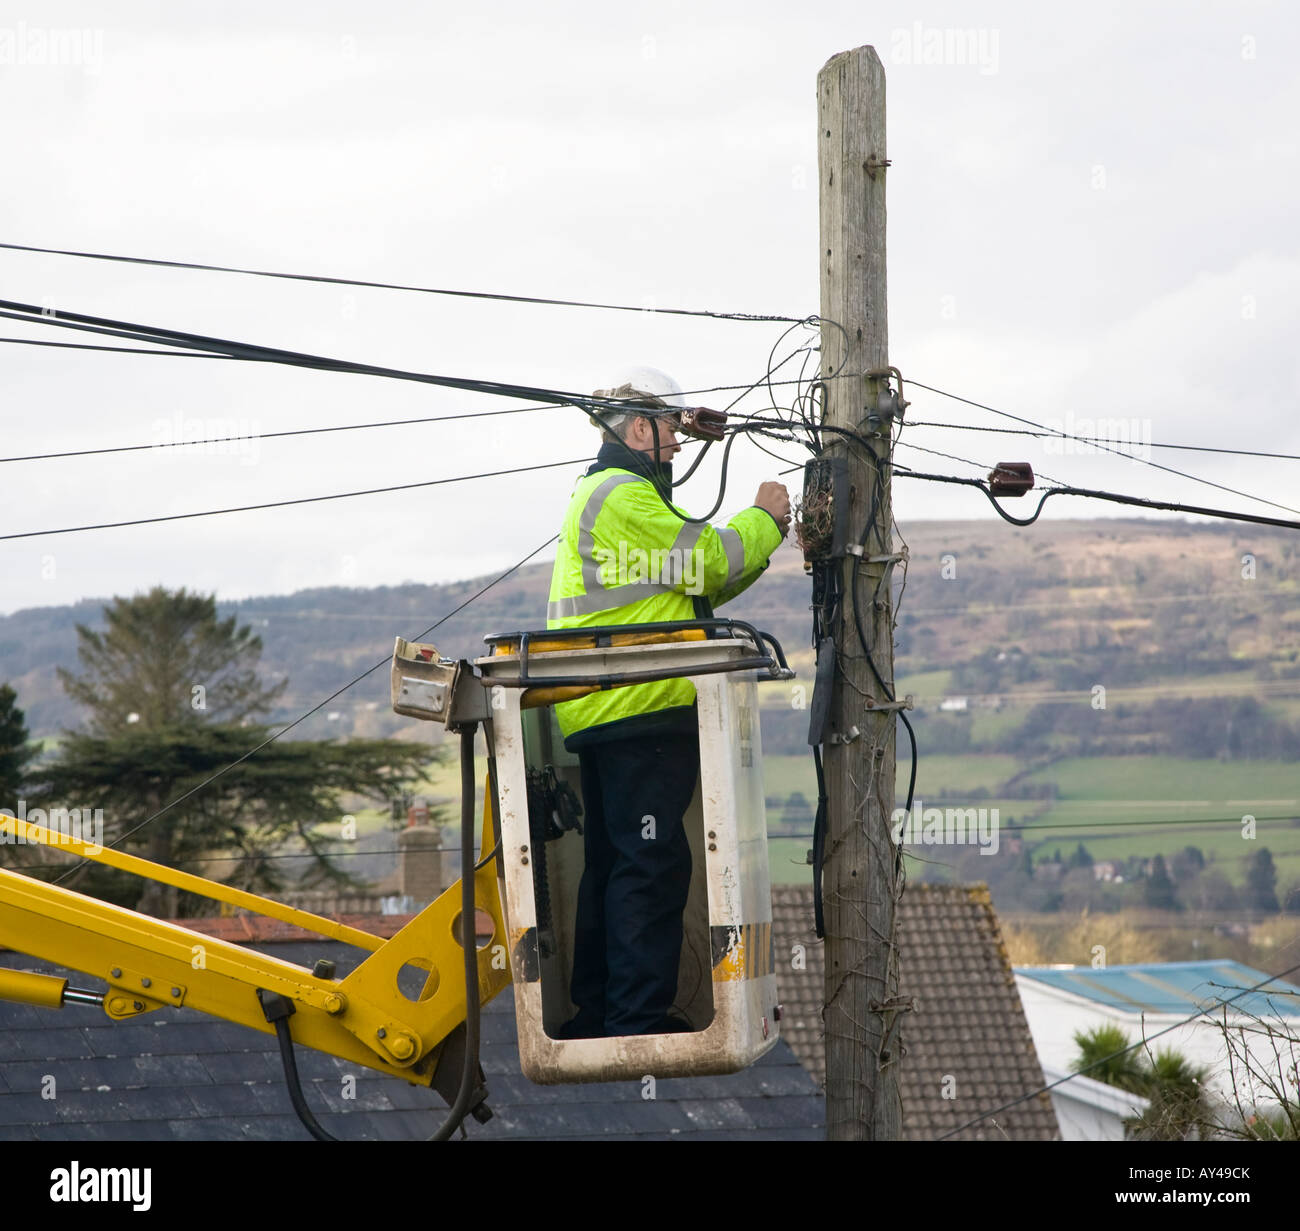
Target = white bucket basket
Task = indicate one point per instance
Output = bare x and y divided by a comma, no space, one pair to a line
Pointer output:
727,986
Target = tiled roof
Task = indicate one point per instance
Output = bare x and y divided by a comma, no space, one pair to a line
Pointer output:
967,1044
179,1075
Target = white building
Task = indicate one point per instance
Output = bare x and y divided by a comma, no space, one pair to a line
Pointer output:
1150,998
1089,1110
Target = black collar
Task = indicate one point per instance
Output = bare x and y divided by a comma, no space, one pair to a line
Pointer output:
616,454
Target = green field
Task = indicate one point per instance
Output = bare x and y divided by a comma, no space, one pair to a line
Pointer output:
987,726
788,861
783,775
1151,800
927,684
1219,784
1118,807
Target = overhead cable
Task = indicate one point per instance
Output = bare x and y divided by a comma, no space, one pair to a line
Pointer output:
320,705
276,504
159,445
112,350
1146,461
1099,440
156,446
33,314
1091,494
398,286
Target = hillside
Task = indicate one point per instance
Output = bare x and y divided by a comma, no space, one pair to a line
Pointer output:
1010,619
1091,673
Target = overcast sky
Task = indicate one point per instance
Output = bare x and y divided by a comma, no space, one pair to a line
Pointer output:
1092,216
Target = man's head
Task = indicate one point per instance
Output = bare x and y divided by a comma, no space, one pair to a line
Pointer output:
652,397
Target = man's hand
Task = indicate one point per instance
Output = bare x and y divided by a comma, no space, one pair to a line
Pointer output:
773,497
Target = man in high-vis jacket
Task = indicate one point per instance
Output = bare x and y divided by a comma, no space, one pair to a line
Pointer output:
626,557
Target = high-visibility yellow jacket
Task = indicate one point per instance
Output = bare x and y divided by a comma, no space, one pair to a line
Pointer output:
626,558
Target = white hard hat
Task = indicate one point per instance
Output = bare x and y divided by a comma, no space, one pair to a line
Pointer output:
646,382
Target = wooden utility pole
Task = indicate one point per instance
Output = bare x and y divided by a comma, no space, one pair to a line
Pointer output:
858,875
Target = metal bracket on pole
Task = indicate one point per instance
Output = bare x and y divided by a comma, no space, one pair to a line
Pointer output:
855,549
905,704
887,572
890,403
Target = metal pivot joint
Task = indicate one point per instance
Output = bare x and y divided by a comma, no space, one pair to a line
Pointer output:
890,402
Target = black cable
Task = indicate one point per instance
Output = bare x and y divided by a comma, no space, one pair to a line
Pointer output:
877,495
777,456
911,782
1048,434
290,1065
592,404
396,286
819,845
113,350
32,314
695,465
966,461
283,1009
296,1097
308,431
1118,452
1099,828
726,451
173,353
757,422
657,455
1114,497
653,416
468,939
830,585
383,662
278,504
888,691
159,446
1083,829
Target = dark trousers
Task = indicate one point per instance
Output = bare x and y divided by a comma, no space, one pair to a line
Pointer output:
628,937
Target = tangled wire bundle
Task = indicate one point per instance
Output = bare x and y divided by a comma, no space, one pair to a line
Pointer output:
814,525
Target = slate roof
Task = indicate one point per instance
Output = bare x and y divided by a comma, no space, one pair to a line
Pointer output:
180,1075
1174,987
967,1044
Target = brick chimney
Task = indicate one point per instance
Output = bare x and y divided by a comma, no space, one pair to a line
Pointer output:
422,866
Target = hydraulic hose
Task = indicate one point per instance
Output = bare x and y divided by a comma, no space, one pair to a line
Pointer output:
468,938
296,1097
279,1009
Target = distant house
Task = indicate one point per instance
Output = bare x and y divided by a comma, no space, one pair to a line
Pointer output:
174,1074
967,1049
1089,1110
1107,870
953,704
1147,998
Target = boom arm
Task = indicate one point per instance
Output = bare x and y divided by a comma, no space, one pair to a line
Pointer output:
148,963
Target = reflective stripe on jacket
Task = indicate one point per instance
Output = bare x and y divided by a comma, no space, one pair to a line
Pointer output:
626,558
